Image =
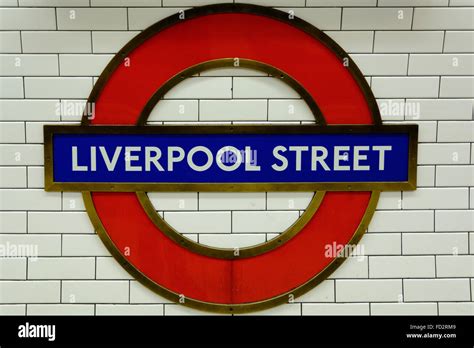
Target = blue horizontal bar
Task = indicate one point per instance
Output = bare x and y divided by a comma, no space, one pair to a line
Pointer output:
310,158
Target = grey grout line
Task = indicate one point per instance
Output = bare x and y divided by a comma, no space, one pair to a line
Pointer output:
403,290
128,18
341,19
56,17
123,280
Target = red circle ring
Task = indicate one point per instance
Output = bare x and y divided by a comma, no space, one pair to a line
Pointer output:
210,33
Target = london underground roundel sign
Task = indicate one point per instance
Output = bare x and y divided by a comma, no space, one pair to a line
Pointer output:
114,158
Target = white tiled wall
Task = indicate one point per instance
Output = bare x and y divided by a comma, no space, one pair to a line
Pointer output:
419,247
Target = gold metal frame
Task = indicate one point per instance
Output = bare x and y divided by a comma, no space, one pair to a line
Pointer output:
410,184
194,13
